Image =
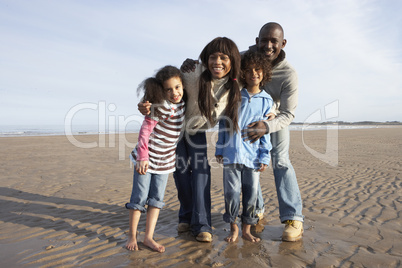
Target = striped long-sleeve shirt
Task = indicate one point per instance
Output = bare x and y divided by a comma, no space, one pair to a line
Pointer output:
158,138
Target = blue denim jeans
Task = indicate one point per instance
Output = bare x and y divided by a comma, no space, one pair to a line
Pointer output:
193,182
148,189
287,189
239,179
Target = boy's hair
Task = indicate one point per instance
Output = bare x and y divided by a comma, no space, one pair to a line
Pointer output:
257,60
205,103
152,87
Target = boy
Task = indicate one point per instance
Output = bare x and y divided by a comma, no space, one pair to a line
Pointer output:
243,160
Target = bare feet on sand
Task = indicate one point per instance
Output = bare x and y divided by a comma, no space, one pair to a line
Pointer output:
153,245
246,234
131,243
250,237
234,233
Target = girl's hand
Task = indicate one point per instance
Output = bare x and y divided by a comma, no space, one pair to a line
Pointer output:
219,159
144,107
262,167
141,167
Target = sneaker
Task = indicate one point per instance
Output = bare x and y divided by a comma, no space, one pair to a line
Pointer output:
183,227
204,237
293,231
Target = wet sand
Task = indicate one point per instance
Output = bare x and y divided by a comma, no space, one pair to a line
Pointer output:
62,205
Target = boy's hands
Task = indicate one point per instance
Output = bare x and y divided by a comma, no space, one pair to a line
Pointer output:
262,167
142,166
188,65
219,159
144,107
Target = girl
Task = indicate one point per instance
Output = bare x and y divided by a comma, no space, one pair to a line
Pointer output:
154,155
243,160
212,92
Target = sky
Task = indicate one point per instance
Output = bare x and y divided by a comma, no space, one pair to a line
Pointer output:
82,61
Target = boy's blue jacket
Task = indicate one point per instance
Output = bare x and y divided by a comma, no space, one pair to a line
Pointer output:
232,147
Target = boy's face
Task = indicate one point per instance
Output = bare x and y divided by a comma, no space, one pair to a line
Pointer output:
270,42
173,89
253,76
219,65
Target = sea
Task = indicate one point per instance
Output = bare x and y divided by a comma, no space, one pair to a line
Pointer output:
55,130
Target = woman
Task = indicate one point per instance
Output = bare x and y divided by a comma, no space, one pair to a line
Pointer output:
212,92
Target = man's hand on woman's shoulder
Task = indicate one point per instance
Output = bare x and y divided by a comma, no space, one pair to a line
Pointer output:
188,65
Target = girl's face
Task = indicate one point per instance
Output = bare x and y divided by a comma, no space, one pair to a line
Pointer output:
253,76
219,65
173,89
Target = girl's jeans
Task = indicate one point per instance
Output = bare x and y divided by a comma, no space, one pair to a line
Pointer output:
147,189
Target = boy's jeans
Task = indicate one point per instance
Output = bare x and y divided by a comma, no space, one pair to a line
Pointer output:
147,189
239,179
193,182
287,189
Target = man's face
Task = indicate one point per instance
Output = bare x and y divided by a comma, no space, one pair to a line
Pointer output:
270,42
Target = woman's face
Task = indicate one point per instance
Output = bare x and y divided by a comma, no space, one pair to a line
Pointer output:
219,65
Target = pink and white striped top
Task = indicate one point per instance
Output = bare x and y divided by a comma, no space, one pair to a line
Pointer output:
158,138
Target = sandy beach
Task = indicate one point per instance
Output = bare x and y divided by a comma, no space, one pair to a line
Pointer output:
63,206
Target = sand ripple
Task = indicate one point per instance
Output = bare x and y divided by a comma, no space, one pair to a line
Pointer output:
69,210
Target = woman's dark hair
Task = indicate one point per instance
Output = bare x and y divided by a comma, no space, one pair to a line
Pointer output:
228,47
257,60
153,87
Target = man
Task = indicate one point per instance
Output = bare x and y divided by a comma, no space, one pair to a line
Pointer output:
283,88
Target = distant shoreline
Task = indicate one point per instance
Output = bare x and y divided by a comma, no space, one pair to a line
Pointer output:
392,123
49,130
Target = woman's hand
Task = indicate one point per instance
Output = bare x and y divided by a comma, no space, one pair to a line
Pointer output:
270,116
144,107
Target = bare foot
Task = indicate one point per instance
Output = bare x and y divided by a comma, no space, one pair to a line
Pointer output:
131,243
153,245
246,234
234,233
250,237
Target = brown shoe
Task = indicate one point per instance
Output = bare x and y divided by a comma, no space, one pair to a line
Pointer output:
257,228
260,226
293,231
183,227
204,237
